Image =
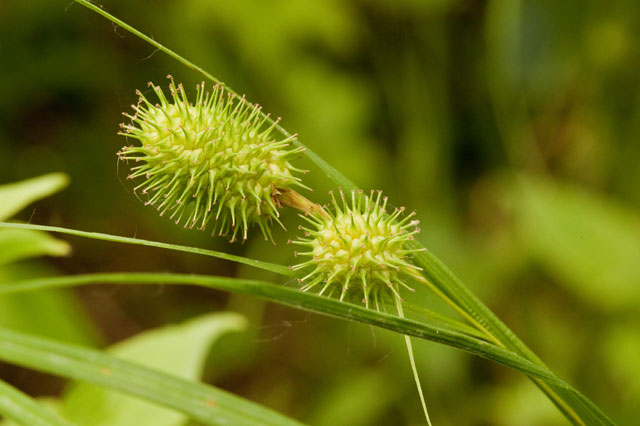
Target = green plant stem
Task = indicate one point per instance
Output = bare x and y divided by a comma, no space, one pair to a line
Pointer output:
272,267
412,361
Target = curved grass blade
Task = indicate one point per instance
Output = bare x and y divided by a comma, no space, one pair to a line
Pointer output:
24,410
272,267
203,403
307,301
327,306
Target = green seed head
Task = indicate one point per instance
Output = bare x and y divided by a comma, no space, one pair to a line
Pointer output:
213,162
358,250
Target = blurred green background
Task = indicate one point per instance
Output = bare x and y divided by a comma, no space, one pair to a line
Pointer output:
512,127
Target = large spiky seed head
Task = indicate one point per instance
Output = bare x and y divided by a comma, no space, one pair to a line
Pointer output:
214,160
358,249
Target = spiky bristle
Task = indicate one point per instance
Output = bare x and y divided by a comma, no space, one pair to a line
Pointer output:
212,163
358,249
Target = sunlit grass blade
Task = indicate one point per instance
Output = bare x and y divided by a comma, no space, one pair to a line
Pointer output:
205,404
278,269
303,300
24,410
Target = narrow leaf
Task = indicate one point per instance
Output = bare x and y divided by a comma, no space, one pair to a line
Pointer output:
307,301
575,405
278,269
20,408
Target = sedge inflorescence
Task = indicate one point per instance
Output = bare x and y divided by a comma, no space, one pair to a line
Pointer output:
358,250
213,162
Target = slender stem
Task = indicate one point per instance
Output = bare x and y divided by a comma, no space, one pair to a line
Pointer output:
557,400
272,267
98,9
412,361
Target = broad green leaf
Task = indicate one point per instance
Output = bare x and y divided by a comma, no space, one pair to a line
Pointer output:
179,350
589,243
19,244
19,408
205,404
15,196
51,314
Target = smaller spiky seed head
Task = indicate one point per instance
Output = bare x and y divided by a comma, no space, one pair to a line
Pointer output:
214,160
358,249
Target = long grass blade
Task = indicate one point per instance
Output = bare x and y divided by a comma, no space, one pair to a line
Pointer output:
327,306
272,267
22,409
302,300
